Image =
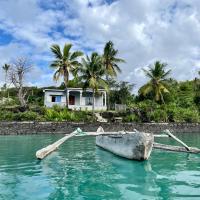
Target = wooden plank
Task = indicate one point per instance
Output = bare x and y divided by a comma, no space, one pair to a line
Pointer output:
175,138
175,148
160,135
113,133
42,153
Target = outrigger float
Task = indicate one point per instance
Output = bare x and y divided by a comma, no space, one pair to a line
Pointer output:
131,145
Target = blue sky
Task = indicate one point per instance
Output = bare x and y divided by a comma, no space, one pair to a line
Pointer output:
143,31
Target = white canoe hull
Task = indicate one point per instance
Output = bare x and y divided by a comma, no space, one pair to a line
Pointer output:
137,145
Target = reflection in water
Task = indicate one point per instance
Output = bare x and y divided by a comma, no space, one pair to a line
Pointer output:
128,182
80,170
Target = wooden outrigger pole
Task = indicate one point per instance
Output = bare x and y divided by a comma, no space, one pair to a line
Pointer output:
175,138
42,153
185,147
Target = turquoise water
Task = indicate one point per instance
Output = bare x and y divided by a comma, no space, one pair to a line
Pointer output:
79,170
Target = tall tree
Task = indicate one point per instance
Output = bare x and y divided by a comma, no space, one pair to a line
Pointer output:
111,61
65,63
19,68
6,68
157,85
122,93
91,74
197,91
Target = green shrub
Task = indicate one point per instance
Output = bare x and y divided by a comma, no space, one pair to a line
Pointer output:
19,116
64,114
158,115
186,115
26,116
131,118
6,116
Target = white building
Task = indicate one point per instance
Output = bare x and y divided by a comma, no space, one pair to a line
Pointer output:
78,99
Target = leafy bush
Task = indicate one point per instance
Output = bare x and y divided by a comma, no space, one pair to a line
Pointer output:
38,109
158,115
131,118
26,116
186,115
63,114
6,116
19,116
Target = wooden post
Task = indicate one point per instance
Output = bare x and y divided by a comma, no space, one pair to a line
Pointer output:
80,98
42,153
175,138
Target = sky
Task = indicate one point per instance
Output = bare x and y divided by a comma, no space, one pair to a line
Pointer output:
142,30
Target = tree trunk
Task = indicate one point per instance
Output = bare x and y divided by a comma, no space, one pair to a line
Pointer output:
93,97
67,103
66,78
108,96
21,97
162,99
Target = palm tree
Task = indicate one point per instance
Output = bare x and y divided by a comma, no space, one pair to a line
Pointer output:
157,84
110,62
6,68
92,73
65,63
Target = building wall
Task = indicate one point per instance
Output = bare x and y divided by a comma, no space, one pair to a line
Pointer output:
98,100
48,98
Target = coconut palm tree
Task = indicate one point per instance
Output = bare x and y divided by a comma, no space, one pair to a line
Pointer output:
6,68
92,73
157,84
110,62
65,63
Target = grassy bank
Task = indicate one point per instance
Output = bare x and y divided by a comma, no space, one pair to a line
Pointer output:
138,113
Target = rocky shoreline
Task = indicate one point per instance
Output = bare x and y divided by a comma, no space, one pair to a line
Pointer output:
21,128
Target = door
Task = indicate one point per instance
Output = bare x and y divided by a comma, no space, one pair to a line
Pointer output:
71,100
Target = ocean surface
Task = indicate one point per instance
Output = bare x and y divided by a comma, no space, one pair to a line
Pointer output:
79,170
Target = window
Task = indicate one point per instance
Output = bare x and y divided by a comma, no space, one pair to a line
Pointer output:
56,98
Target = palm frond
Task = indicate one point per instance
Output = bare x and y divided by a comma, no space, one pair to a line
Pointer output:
75,55
148,73
56,50
146,89
66,51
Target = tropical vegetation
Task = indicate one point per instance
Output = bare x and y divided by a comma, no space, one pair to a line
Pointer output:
161,99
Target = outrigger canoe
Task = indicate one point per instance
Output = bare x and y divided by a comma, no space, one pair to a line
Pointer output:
132,145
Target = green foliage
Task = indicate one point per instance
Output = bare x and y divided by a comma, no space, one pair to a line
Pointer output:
19,116
26,116
63,114
121,94
110,60
65,62
186,115
131,118
158,115
157,85
6,116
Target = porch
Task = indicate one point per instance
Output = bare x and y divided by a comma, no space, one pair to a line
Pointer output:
83,100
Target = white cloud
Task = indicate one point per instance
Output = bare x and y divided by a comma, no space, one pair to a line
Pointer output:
142,30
